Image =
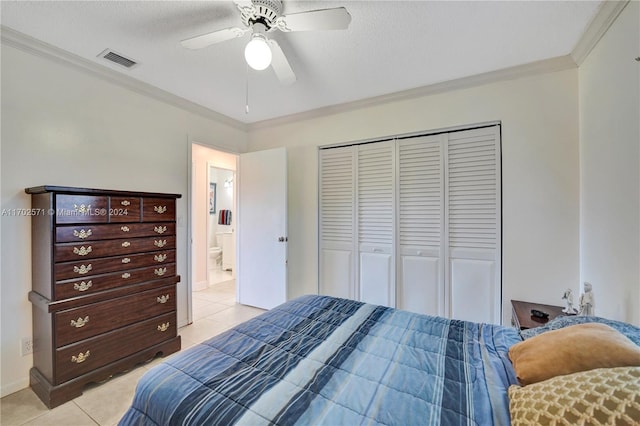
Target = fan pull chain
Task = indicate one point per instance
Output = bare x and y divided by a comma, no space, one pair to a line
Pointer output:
246,105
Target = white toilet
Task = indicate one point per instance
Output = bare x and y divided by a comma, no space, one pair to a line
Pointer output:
215,253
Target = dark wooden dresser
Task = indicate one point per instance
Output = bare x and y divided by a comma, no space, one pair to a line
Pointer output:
103,285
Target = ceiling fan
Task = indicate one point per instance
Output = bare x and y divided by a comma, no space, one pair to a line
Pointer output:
263,16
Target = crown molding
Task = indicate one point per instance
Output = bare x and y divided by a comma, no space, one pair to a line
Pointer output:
608,12
559,63
606,15
13,38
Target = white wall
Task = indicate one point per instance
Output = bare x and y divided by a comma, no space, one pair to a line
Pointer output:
539,117
61,126
609,92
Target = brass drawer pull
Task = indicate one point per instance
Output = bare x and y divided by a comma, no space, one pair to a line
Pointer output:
124,229
82,208
163,327
80,322
160,243
82,251
126,244
126,260
82,269
126,275
163,299
159,209
82,357
82,286
160,229
160,271
160,257
82,234
125,203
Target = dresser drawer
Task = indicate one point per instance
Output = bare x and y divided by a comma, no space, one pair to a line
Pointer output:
95,283
158,209
91,250
81,208
75,233
87,269
124,209
87,355
90,320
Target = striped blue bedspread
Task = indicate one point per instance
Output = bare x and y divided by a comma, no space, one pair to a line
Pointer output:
319,360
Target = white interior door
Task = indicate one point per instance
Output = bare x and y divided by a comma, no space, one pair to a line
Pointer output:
337,223
420,224
262,228
474,224
375,185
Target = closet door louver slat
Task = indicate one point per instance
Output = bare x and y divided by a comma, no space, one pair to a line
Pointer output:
336,197
472,188
375,194
420,191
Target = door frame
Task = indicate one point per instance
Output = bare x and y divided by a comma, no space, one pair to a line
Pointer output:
190,211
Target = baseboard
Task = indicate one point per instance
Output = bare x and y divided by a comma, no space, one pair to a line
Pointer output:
200,285
14,387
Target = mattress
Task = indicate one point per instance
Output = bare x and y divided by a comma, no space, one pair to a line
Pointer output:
328,361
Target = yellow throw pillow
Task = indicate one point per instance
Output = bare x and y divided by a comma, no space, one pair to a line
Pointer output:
604,396
572,349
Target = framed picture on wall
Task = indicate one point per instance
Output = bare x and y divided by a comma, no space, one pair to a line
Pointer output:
212,198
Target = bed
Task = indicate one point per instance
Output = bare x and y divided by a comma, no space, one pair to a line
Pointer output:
328,361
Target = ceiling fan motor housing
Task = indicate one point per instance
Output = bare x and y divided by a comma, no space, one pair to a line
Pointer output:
262,11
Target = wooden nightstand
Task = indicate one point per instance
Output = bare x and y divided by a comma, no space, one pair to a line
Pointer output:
521,314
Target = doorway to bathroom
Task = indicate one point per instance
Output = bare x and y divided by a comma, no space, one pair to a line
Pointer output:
220,225
213,249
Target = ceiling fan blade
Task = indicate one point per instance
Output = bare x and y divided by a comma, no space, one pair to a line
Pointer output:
280,64
208,39
324,19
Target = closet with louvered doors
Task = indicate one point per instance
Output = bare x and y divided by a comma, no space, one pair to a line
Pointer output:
415,223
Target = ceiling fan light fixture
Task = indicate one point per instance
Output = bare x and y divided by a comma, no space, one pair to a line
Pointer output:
257,53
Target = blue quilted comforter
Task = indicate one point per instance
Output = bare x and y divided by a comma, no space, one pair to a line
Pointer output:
326,361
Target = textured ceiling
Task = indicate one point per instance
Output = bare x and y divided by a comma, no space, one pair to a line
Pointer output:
389,47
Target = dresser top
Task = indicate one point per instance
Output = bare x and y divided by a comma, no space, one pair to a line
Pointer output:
72,190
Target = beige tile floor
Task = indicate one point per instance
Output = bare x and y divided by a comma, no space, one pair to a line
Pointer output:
214,311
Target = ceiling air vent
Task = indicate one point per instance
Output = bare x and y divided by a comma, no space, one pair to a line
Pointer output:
117,58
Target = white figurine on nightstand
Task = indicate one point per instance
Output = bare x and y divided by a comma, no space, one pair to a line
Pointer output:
587,302
568,297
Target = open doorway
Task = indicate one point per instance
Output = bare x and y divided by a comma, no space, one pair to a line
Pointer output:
221,225
213,250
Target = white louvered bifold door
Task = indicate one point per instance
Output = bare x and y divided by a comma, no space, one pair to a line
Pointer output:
420,202
375,182
473,210
337,222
